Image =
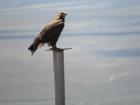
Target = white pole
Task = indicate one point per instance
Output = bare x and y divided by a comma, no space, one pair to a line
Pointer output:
58,62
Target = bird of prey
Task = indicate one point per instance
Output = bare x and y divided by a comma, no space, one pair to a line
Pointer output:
50,33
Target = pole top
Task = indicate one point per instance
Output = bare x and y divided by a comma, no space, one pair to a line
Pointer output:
58,49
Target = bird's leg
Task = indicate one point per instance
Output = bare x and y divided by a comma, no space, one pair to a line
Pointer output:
54,47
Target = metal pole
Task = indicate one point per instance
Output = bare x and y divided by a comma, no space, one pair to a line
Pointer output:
58,62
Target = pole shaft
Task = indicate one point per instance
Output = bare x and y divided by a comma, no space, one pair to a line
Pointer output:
58,61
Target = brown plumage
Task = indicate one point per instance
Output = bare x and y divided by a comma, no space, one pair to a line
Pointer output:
50,33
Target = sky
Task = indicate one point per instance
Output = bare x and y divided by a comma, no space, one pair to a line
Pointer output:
102,68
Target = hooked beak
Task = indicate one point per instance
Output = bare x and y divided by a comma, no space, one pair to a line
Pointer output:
65,14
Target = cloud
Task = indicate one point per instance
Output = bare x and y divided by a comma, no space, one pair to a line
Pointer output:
121,53
51,5
101,19
114,78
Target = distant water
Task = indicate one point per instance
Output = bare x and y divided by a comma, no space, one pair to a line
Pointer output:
102,68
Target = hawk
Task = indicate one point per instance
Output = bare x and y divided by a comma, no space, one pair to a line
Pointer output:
50,33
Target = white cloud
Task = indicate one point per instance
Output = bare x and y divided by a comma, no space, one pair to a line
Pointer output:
52,5
117,77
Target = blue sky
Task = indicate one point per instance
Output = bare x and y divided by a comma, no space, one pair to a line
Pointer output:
108,16
103,64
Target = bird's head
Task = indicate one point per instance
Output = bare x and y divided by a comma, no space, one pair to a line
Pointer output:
62,15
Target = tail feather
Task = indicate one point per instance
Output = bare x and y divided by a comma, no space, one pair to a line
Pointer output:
33,48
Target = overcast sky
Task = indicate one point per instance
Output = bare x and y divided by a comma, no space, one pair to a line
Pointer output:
101,69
